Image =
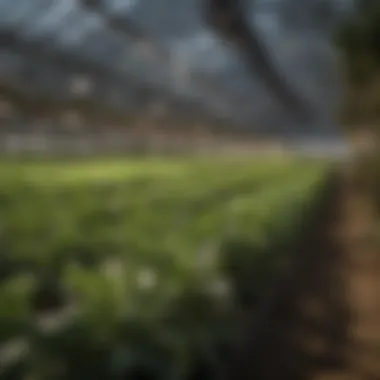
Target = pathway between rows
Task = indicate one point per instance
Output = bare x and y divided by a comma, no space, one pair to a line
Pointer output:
325,325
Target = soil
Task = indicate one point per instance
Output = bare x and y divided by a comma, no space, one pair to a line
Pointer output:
323,322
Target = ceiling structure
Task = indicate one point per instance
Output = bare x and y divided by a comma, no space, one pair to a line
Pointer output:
126,54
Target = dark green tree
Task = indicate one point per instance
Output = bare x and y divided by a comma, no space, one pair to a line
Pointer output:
358,39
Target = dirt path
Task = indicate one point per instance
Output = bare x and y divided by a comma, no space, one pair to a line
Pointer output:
325,324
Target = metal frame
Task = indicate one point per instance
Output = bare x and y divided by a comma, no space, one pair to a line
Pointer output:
19,33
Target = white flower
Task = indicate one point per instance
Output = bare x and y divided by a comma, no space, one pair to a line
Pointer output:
220,288
113,268
147,279
13,351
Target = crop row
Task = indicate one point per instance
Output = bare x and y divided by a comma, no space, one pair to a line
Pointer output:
148,277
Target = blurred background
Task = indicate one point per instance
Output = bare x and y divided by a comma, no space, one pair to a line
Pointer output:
124,68
163,163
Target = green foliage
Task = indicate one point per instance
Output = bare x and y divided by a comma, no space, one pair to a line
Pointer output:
358,38
359,34
146,278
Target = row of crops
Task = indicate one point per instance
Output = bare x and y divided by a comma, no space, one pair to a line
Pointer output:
144,269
